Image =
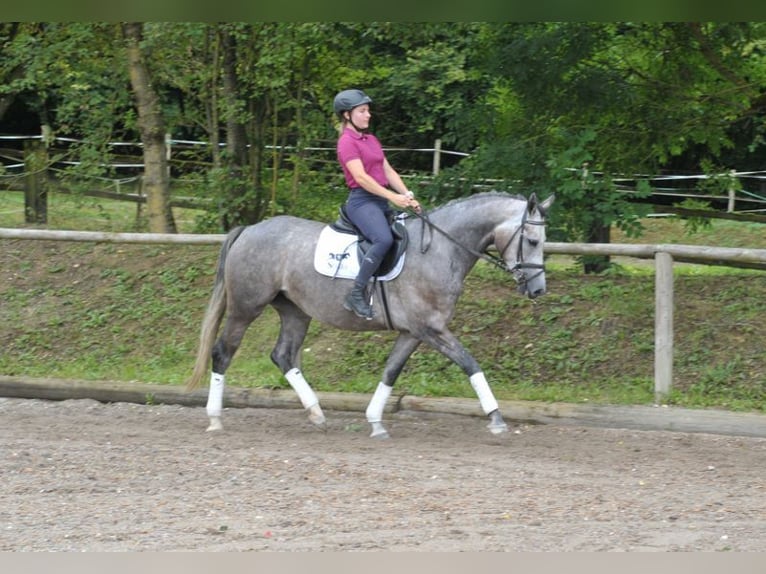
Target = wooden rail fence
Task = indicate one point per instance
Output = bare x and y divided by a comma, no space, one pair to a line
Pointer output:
664,256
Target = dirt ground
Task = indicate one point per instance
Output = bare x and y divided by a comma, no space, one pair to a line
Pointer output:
79,475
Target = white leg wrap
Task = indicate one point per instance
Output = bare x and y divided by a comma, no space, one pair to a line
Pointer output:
305,392
378,403
481,387
215,395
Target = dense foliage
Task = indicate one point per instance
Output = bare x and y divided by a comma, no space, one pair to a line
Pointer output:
565,107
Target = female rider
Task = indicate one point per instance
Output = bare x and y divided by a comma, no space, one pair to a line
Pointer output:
373,183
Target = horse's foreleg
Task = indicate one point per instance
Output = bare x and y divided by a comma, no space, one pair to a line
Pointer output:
375,408
403,348
488,403
286,355
447,344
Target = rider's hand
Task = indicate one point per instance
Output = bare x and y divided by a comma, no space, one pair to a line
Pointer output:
410,201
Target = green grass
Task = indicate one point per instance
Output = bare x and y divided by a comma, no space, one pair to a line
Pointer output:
81,213
132,313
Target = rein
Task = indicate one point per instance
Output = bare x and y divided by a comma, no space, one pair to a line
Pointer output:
499,262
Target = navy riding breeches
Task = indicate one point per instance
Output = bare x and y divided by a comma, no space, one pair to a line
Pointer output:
369,213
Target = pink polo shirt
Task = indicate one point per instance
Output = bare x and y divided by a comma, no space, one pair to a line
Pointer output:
353,145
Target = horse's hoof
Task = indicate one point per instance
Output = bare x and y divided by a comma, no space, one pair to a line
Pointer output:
379,432
496,423
316,416
496,428
215,424
318,421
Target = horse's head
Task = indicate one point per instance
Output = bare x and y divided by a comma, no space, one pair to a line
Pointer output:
520,243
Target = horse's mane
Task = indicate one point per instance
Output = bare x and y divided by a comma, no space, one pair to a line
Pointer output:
473,197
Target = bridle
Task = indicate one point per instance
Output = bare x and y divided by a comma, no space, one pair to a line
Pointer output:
517,270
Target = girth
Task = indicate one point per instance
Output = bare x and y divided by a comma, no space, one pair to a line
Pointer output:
344,225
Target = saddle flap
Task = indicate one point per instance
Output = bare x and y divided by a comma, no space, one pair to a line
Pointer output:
399,231
401,240
336,256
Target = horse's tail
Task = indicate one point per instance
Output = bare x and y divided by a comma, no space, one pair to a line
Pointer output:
213,314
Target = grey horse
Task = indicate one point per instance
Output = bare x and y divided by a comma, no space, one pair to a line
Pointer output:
271,263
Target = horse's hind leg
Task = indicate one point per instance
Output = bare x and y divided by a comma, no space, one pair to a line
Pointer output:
223,351
286,355
403,347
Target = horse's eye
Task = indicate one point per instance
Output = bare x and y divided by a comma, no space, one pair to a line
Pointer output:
534,242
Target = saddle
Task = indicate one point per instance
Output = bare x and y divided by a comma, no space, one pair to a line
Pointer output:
344,225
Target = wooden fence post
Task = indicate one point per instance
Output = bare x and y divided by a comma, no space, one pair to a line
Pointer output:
35,181
437,156
732,194
663,325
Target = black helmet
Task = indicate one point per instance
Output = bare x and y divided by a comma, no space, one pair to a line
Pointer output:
349,99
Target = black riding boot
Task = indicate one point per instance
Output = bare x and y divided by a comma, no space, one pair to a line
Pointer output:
356,301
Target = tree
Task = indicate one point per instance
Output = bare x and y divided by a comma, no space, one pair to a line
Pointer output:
248,86
569,107
253,87
152,129
74,76
619,98
11,70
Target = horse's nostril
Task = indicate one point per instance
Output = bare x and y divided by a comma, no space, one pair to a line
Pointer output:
536,293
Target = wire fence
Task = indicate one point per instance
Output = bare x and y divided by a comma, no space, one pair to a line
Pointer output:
746,192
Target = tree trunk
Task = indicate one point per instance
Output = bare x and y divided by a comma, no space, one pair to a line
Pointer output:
156,181
35,182
236,138
299,157
213,44
259,108
244,189
598,233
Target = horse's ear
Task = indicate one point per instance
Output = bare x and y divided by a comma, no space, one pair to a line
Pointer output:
532,203
545,205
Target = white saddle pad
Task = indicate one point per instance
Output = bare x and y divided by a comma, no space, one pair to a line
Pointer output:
336,256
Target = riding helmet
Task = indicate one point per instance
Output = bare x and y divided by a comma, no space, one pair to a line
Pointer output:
349,99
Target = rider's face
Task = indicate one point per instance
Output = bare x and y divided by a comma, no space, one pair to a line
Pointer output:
360,116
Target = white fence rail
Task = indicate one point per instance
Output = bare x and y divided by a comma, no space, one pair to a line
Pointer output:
748,188
663,255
